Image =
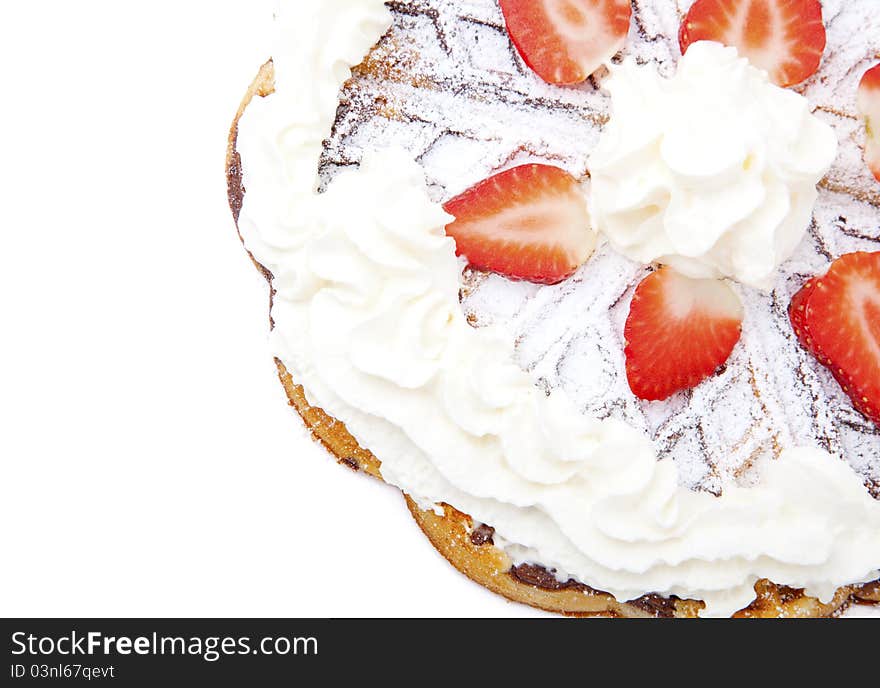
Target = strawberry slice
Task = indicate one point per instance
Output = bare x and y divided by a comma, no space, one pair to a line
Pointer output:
797,314
683,39
869,105
564,41
784,37
528,223
679,332
842,320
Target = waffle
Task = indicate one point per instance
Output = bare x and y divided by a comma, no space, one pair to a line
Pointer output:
445,83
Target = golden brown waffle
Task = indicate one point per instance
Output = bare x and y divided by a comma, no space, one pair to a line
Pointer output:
470,549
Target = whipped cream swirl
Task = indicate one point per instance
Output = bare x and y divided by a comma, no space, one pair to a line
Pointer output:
367,319
713,171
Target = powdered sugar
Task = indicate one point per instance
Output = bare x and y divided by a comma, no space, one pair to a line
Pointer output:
446,83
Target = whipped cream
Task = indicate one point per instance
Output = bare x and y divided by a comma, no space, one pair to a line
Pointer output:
713,171
367,319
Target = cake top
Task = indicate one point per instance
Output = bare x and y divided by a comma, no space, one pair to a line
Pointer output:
445,83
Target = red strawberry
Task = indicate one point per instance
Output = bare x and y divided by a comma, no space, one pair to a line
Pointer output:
564,41
529,223
784,37
797,314
842,318
679,332
869,105
683,39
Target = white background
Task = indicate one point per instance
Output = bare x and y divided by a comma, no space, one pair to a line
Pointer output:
150,463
